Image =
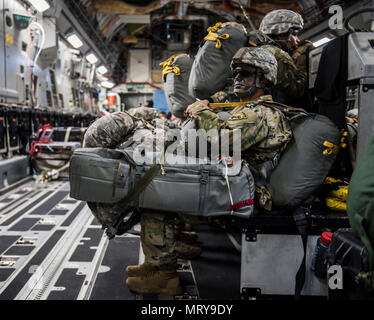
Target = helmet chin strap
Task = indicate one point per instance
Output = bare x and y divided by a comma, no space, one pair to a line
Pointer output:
247,93
276,42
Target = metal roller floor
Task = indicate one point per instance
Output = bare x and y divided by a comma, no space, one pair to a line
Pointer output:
52,248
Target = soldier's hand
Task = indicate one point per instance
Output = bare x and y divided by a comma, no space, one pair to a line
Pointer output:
219,97
194,109
302,49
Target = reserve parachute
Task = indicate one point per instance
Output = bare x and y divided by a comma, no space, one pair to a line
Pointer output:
211,71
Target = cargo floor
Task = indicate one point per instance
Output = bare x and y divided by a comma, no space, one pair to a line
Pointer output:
51,248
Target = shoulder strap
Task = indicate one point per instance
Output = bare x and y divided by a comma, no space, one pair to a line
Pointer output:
290,112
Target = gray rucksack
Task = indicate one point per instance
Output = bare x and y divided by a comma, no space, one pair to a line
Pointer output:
176,72
211,71
106,176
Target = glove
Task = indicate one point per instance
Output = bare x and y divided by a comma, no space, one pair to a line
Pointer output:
302,49
300,54
219,97
196,108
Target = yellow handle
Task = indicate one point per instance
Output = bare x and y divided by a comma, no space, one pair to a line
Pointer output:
216,37
168,70
168,62
331,148
215,28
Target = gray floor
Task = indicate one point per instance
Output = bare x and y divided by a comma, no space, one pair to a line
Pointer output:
51,248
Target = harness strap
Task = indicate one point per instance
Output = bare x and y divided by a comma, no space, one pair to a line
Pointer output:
228,182
302,224
229,104
139,187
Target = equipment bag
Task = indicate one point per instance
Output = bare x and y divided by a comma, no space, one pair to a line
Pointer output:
107,176
306,161
176,72
204,190
211,71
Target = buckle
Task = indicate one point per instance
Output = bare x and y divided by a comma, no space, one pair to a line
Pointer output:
204,176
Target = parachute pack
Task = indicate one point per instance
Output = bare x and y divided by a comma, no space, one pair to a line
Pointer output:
307,160
175,75
211,71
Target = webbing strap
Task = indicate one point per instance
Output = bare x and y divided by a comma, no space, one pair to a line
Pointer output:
224,160
242,204
301,222
229,104
204,179
139,187
243,103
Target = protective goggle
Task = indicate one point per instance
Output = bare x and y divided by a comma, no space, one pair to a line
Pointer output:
243,73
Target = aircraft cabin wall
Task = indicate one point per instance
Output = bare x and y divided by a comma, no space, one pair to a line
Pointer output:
39,69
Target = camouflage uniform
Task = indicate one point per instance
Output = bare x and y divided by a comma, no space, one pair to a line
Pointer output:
109,131
264,130
159,230
292,72
158,238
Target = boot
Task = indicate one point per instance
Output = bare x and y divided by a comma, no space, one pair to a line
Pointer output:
188,237
156,282
187,251
140,270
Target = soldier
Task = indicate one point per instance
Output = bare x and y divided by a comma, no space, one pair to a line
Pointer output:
162,239
265,133
279,32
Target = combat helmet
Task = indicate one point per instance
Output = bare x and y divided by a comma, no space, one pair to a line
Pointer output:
260,59
281,21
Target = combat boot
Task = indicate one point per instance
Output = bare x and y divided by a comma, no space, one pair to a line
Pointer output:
187,251
156,282
140,270
188,237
